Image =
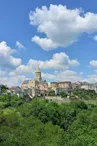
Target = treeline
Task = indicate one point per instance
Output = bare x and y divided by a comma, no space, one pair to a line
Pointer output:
44,123
84,94
76,94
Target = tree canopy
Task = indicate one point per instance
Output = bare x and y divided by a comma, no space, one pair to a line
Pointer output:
44,123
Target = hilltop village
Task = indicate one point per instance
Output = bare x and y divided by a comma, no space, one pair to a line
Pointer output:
38,87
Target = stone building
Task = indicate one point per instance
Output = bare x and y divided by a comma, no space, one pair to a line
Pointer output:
89,87
61,86
78,85
36,86
15,90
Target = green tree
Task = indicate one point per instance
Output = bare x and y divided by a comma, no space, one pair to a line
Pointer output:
4,88
63,94
51,93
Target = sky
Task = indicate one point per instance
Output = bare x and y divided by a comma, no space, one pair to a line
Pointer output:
59,36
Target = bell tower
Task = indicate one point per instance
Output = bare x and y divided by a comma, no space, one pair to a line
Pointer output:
38,74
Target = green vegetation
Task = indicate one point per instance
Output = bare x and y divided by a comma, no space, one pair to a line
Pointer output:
84,94
51,93
76,94
44,123
4,89
91,101
63,94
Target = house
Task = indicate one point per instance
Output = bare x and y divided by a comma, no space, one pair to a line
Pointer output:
61,86
90,87
15,90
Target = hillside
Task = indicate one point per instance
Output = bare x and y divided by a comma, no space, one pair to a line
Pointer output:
44,123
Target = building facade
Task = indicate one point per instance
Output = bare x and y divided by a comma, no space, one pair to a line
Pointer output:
90,87
36,86
61,86
15,90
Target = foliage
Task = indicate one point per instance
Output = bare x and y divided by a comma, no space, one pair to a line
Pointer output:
84,94
63,94
44,123
4,88
51,93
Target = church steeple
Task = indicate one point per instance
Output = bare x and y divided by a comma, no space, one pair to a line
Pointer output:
37,69
38,74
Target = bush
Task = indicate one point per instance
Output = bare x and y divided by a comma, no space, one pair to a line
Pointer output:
51,93
63,94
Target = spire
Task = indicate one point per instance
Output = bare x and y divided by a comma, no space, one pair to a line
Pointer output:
38,74
37,69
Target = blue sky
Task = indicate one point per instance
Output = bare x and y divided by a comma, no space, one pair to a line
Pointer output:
67,54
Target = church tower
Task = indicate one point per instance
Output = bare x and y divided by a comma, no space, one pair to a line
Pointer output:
38,74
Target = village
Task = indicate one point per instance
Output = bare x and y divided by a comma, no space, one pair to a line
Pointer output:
38,87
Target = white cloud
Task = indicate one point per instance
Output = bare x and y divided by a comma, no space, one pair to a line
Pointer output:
6,58
58,61
91,78
11,78
19,45
62,26
93,63
48,76
67,75
44,43
95,38
8,63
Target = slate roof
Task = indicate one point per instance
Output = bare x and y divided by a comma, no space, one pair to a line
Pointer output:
26,82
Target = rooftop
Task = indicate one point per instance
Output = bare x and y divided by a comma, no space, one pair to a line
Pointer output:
25,82
14,87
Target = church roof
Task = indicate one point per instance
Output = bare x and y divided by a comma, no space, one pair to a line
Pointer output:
26,82
37,69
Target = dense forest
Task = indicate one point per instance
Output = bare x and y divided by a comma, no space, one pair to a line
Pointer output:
46,123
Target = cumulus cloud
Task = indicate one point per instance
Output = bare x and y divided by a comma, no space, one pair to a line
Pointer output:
44,43
91,78
48,76
8,63
95,38
11,78
58,61
67,75
93,63
62,26
6,58
19,45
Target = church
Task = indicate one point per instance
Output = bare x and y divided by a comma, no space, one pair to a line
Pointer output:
36,86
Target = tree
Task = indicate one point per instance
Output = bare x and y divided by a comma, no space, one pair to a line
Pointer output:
85,94
51,93
44,123
63,94
4,88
